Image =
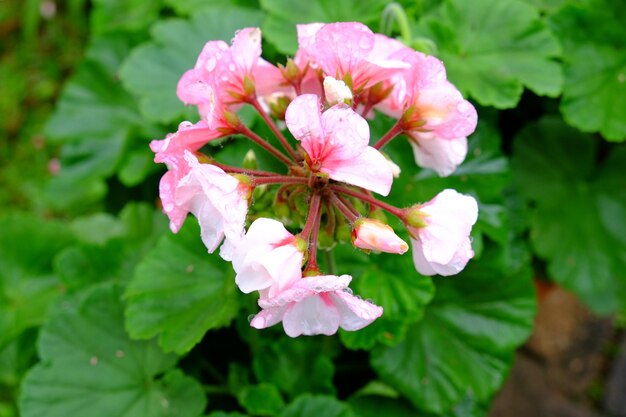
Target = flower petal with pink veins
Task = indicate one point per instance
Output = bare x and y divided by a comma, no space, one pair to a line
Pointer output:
246,49
441,155
369,170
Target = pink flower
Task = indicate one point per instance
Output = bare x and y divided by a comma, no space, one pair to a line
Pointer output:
218,200
346,49
442,155
268,257
337,144
371,234
440,232
316,305
233,74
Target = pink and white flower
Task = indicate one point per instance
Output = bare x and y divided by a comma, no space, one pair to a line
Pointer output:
316,305
440,233
218,200
346,50
372,234
336,142
268,257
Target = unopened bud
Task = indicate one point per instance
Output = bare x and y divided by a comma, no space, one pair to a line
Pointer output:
291,72
249,160
278,106
232,119
336,92
370,234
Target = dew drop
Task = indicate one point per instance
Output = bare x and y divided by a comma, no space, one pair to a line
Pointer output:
348,290
184,125
165,403
369,301
210,64
251,317
231,67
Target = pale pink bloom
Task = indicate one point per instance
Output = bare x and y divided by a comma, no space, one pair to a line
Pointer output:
268,257
442,155
336,142
336,92
372,234
223,70
316,305
218,200
346,49
441,245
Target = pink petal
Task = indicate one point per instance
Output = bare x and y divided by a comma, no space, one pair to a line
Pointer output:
311,316
246,49
268,317
303,119
369,170
346,133
442,155
355,313
339,47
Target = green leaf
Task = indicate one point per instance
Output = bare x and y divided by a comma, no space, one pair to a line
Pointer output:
93,120
283,15
465,342
375,406
185,7
594,94
295,366
492,50
314,406
129,15
153,69
261,400
28,246
90,364
391,282
577,222
179,292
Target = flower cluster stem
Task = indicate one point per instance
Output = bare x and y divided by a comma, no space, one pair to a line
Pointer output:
244,130
280,179
392,133
398,212
270,123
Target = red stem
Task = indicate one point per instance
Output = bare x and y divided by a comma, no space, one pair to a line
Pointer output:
237,170
343,208
312,263
398,212
243,129
348,204
281,138
314,211
280,179
392,133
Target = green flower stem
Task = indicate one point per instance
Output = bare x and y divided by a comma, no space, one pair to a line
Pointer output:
394,13
237,170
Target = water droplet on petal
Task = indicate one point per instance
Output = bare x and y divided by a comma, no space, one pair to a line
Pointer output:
184,125
210,64
250,317
231,67
348,290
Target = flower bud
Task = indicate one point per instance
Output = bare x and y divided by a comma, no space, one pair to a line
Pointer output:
370,234
249,160
336,92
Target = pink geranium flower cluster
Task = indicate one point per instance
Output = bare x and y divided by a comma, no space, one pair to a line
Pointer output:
341,74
